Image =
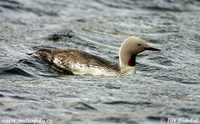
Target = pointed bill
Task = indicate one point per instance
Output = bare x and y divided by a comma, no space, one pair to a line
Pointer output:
152,48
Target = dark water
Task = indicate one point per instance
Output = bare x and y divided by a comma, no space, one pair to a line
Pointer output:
167,84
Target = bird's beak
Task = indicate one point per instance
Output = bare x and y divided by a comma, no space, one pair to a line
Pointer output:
152,48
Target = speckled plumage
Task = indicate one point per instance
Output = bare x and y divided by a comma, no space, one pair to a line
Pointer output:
72,60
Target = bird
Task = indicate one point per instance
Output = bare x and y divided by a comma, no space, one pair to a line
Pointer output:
73,61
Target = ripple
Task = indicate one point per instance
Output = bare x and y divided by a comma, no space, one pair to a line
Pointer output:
158,118
127,103
116,119
190,110
65,34
83,106
10,1
9,4
15,71
22,98
1,95
9,109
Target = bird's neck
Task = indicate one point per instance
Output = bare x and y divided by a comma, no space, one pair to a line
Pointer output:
126,70
127,64
132,60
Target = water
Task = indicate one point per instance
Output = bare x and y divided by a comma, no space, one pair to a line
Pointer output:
166,84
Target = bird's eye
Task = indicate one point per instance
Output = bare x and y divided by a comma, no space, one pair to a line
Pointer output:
139,44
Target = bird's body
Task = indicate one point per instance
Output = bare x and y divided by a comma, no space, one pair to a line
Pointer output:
77,62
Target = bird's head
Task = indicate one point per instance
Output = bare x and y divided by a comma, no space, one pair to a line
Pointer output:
130,48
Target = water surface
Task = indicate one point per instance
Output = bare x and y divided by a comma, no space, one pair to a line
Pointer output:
166,84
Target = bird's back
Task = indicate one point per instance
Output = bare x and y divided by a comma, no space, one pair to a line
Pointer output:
74,61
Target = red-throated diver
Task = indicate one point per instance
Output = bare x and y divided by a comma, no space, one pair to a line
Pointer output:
77,62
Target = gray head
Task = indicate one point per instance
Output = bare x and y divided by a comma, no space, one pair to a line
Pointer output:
130,48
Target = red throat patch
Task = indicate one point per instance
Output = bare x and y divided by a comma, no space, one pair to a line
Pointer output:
132,61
